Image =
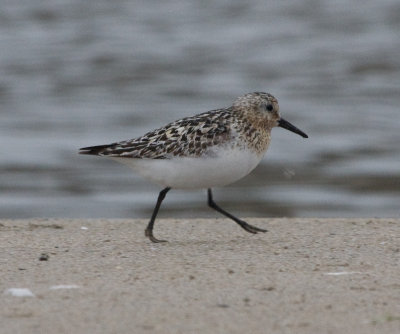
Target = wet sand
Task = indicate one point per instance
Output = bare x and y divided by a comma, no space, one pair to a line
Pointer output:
104,276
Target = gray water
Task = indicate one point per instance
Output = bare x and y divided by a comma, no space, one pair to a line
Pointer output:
76,73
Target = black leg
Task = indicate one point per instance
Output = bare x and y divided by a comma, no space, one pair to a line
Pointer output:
249,228
149,229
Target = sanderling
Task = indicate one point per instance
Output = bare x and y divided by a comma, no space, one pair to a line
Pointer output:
211,149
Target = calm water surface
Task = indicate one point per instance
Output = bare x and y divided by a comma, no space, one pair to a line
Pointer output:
79,73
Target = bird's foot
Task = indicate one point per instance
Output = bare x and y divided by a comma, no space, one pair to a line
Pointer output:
149,233
250,228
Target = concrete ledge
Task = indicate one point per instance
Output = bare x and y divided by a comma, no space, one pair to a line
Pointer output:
104,276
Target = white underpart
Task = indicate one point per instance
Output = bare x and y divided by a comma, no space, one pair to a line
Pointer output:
224,166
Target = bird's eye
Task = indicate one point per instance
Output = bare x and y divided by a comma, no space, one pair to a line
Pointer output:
269,107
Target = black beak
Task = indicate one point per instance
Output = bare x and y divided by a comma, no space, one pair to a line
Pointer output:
288,126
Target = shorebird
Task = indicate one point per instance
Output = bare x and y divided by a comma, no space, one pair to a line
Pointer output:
211,149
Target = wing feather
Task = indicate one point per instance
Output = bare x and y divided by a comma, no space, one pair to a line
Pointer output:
190,136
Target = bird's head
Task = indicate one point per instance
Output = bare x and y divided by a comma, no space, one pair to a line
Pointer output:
265,107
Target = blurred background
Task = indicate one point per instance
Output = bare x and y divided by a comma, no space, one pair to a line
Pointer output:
77,73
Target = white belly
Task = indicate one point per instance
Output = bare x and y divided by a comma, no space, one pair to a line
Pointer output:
227,166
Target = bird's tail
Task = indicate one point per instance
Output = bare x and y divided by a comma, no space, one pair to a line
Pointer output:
93,150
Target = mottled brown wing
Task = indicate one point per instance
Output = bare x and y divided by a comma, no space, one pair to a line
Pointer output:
191,136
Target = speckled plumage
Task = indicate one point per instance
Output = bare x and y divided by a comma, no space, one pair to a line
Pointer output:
242,125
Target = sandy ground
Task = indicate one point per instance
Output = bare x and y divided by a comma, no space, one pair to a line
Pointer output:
104,276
